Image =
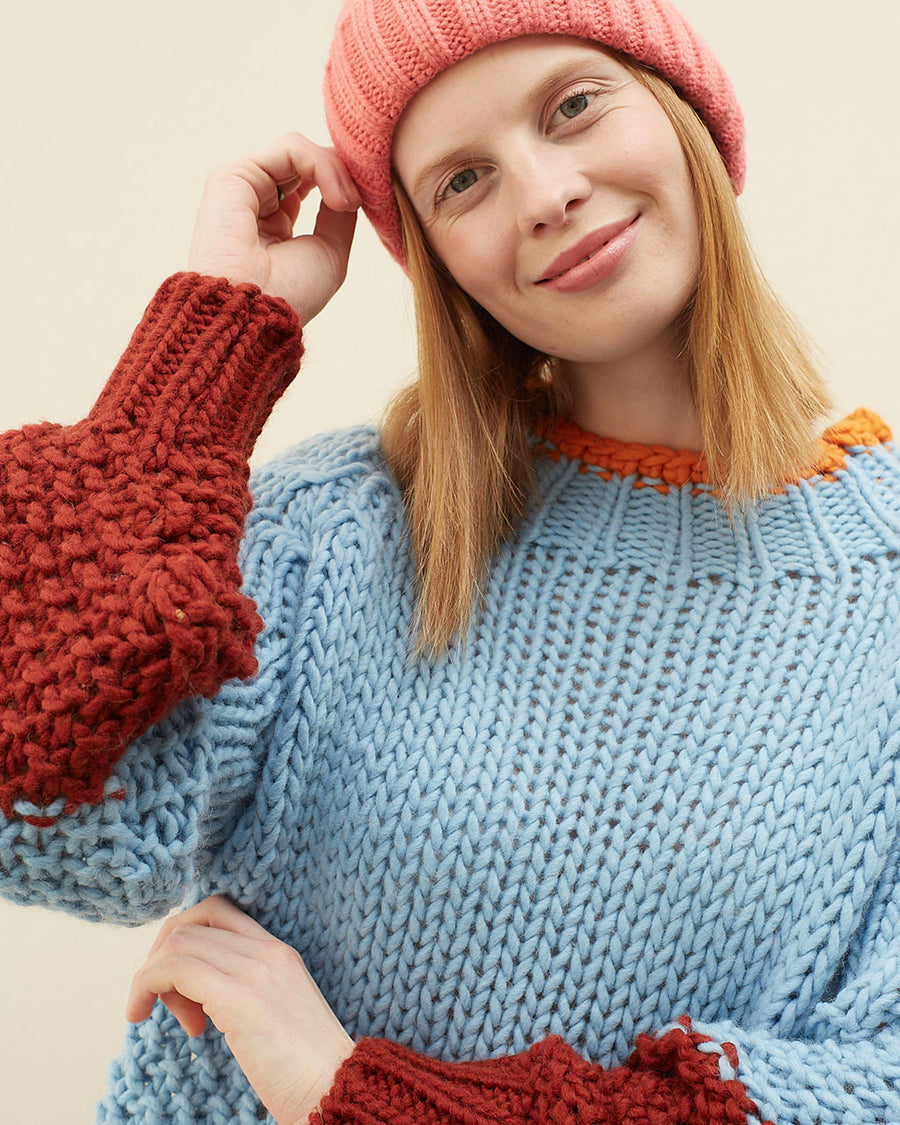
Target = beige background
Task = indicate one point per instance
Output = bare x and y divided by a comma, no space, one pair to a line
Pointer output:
114,113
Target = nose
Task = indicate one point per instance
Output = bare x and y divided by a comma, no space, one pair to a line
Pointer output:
547,190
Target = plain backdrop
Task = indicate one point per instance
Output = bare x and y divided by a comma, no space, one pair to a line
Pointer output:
114,112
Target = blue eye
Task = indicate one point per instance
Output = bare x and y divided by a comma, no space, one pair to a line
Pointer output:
463,180
573,105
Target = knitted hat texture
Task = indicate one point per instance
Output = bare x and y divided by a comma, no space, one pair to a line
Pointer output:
385,51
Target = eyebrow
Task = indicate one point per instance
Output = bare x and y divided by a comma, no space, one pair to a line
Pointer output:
462,152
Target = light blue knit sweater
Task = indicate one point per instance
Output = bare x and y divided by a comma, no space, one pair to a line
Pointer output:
661,778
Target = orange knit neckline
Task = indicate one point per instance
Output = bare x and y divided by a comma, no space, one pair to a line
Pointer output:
662,467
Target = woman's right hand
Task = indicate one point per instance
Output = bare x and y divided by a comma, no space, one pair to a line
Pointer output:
243,232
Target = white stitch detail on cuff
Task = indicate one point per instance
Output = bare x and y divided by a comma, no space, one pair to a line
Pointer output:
726,1070
28,808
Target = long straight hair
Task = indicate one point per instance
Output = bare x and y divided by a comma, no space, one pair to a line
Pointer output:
457,438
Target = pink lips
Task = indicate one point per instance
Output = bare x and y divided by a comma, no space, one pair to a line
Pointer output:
591,259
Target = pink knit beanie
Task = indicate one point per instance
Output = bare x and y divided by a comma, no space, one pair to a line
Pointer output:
385,51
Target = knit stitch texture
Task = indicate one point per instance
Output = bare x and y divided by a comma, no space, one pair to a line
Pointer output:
119,587
682,1077
660,777
385,51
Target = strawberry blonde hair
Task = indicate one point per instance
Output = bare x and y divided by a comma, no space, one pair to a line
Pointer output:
457,438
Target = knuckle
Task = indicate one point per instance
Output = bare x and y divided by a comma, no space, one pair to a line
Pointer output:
286,956
183,936
166,929
224,173
283,950
293,137
178,967
221,171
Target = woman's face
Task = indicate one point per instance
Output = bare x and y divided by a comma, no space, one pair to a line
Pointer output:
517,158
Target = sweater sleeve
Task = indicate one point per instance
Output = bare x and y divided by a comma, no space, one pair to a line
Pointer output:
827,1060
122,612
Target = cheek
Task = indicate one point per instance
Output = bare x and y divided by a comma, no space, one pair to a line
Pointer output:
648,155
661,173
658,162
476,253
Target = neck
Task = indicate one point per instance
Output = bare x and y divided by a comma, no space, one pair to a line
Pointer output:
643,398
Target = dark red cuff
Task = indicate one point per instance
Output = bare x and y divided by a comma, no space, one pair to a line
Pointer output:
676,1079
209,358
120,593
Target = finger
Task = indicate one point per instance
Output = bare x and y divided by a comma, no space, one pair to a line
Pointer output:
192,978
295,187
229,951
300,148
279,226
173,966
189,1013
143,994
336,228
287,201
292,161
292,197
178,973
217,912
330,244
291,206
301,188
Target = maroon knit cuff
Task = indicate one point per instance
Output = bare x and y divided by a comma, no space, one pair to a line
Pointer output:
701,1070
679,1078
120,593
383,1082
209,358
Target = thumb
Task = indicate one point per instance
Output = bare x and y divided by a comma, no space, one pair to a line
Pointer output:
335,229
310,268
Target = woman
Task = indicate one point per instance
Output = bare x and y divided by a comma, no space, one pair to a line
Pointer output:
648,770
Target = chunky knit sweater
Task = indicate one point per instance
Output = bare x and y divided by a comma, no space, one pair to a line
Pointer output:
629,854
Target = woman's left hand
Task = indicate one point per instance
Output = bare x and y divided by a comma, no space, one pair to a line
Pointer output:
213,960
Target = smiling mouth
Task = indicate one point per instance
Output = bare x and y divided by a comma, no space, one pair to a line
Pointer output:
590,246
586,258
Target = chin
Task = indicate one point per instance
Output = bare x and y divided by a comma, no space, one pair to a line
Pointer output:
590,355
